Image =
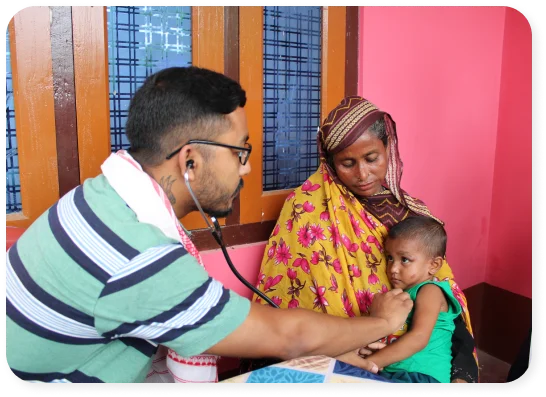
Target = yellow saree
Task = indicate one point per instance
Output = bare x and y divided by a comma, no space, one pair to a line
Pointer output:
326,251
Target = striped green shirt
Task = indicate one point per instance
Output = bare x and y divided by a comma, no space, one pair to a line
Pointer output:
92,292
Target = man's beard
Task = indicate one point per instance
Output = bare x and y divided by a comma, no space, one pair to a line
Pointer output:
223,199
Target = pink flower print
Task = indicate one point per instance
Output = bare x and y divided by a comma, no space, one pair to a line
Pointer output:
351,247
326,177
364,299
291,273
315,257
355,223
373,279
320,300
337,266
325,216
384,289
304,236
308,187
372,239
317,232
289,225
342,202
283,253
458,294
366,248
335,237
356,271
291,196
271,282
333,281
368,220
391,339
293,303
308,207
302,262
347,305
277,300
271,251
261,278
276,230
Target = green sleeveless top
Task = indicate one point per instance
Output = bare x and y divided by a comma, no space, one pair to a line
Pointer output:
435,359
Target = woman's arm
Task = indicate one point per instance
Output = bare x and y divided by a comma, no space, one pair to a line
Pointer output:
428,304
463,365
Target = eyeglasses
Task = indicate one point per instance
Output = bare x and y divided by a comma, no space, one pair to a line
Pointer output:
244,152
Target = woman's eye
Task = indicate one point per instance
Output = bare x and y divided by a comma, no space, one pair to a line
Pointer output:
347,164
372,159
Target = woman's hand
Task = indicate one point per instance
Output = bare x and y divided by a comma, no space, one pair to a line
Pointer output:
355,359
370,349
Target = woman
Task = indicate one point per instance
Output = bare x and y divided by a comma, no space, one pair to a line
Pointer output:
326,251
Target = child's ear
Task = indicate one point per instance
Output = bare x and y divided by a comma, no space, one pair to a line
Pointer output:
435,265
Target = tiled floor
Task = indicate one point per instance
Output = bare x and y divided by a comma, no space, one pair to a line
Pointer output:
492,370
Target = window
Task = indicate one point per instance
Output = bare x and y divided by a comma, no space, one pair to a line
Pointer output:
259,203
13,186
291,94
141,41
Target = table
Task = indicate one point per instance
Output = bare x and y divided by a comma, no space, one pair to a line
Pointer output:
315,369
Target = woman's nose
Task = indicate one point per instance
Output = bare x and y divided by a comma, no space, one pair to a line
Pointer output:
363,172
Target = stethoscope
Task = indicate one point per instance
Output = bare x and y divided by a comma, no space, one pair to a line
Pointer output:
217,234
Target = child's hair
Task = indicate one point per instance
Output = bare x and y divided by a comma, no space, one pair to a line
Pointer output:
428,231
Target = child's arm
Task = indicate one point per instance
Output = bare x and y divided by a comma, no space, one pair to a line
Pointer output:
429,302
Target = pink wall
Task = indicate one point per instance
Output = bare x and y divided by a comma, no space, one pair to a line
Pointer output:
437,71
246,258
509,254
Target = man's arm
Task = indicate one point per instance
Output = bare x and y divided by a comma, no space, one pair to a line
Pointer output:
290,333
427,307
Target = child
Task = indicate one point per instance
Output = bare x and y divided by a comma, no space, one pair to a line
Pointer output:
415,249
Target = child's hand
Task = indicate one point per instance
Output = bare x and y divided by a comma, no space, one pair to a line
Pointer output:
353,358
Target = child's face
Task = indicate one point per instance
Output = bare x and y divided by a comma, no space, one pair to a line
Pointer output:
408,264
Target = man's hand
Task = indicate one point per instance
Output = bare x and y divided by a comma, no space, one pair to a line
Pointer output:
353,358
393,306
458,381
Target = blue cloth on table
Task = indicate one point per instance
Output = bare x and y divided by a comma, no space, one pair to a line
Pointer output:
348,369
283,375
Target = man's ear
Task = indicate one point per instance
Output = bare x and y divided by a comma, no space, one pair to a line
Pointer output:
188,161
435,265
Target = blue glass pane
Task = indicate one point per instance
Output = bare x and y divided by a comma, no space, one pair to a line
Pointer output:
291,89
141,41
13,185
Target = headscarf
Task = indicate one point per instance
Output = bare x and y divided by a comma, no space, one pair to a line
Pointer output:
343,126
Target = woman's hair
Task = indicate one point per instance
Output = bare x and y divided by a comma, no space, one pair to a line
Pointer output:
377,128
427,231
177,104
